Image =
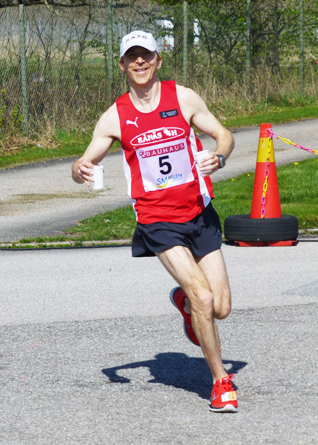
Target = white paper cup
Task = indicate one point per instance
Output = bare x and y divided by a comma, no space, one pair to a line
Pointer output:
98,177
199,156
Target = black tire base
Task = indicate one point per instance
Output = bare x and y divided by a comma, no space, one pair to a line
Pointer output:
245,228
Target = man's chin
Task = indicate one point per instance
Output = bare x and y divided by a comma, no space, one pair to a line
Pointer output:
142,82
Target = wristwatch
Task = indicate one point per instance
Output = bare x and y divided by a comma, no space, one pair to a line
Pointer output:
221,160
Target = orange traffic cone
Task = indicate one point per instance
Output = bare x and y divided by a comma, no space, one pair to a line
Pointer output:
265,226
265,200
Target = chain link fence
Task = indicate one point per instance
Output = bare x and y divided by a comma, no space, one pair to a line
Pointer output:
59,66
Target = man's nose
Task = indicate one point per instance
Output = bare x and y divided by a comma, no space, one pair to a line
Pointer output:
140,59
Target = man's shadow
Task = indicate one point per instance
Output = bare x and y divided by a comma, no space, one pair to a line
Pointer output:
178,370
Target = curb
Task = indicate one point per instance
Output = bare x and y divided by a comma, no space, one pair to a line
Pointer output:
96,244
64,245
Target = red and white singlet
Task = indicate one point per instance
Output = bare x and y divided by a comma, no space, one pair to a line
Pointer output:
164,183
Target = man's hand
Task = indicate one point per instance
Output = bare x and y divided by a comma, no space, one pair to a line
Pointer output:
209,164
106,131
83,172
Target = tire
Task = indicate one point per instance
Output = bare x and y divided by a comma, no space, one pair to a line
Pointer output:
245,228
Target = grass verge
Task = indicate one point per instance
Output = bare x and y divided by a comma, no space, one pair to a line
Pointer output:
63,145
298,196
273,116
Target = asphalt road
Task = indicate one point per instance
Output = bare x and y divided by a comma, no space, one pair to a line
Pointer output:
93,352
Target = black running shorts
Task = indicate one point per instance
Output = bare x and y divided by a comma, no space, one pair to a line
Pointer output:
202,235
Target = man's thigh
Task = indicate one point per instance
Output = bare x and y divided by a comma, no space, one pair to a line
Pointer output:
183,267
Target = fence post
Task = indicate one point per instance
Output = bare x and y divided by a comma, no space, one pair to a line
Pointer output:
185,43
58,26
248,46
23,66
301,45
110,70
8,24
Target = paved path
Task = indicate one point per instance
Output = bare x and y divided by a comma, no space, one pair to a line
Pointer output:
43,200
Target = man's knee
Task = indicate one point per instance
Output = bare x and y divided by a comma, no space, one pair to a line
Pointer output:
222,305
218,306
202,303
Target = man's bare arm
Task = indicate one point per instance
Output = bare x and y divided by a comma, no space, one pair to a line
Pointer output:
106,131
197,113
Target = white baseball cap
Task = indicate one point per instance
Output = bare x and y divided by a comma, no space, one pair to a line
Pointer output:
138,38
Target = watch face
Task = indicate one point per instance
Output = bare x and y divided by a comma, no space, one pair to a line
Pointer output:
221,161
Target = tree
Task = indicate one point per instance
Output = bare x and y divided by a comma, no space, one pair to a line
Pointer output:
275,30
222,30
174,13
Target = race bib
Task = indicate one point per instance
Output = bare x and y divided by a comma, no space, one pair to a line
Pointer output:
165,165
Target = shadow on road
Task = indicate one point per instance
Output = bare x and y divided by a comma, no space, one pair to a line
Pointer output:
175,369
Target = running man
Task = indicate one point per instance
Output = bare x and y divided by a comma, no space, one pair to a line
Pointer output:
171,195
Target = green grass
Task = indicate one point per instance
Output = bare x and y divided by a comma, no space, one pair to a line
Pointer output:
66,144
273,116
298,195
111,225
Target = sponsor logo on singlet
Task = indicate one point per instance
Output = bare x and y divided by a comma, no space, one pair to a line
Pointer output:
164,181
168,113
132,122
162,150
157,135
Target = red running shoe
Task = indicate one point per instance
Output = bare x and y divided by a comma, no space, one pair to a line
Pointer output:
177,296
223,397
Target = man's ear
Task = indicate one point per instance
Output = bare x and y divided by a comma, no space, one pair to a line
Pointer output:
159,61
121,64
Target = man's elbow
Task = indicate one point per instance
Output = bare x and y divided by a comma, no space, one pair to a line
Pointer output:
227,139
232,143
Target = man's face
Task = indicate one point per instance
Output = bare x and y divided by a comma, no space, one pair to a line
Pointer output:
140,64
